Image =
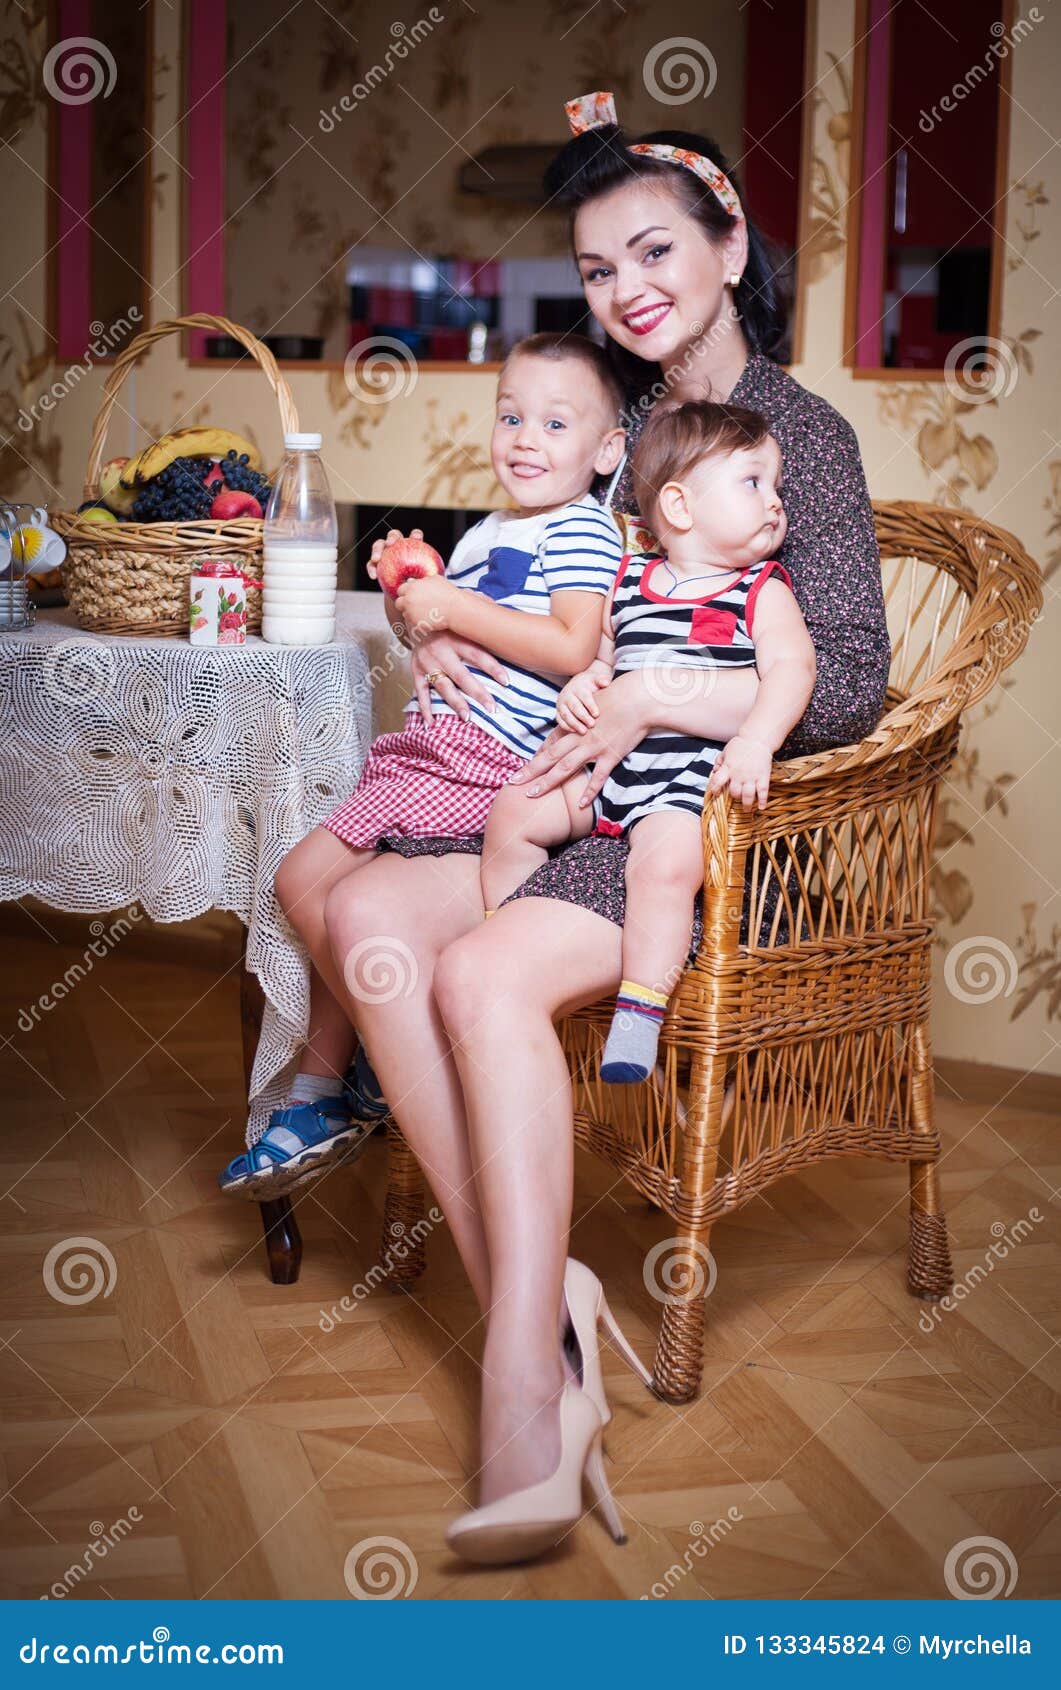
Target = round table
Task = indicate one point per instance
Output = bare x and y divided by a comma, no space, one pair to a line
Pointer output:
150,772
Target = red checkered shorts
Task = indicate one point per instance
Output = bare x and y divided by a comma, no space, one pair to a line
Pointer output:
425,780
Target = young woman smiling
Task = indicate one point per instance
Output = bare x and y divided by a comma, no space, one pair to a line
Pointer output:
681,282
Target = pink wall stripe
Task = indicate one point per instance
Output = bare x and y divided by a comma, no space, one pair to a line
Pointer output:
873,222
73,259
204,140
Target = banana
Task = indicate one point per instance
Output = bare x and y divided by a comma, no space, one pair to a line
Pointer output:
186,443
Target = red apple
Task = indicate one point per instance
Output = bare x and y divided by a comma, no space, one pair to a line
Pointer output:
228,505
212,473
406,560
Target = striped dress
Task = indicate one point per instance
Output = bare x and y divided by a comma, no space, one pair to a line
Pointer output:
675,638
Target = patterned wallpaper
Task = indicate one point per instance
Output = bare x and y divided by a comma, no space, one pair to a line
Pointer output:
998,990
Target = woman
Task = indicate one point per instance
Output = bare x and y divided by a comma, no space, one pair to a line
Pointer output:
681,282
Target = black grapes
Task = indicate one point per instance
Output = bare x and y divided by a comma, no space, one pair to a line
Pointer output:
177,493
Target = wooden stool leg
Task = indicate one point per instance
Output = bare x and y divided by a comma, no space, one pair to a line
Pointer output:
283,1241
930,1273
401,1250
679,1363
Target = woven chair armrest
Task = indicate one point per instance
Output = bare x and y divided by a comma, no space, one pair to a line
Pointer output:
808,792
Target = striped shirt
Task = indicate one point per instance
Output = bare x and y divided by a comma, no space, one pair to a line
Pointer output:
520,561
675,639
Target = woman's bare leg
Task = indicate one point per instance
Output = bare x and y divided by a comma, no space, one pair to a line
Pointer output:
499,989
387,926
303,881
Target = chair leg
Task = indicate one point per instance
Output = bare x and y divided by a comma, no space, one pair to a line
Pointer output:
679,1363
404,1209
283,1241
930,1274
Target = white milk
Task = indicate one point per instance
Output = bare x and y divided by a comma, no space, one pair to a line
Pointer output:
298,601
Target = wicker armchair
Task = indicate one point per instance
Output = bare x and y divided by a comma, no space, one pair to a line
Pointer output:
801,1030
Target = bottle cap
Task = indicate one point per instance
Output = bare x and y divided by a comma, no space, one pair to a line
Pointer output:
308,442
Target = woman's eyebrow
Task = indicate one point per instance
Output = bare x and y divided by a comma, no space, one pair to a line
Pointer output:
631,242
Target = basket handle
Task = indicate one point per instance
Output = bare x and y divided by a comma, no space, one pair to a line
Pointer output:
131,354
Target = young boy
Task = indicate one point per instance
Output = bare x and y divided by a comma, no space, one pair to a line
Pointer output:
527,584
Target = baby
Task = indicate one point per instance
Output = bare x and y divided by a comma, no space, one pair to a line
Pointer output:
707,481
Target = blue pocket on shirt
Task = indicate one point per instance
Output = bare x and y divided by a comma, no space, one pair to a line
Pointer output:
506,572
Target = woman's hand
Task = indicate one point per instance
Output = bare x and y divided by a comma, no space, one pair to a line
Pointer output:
445,658
620,725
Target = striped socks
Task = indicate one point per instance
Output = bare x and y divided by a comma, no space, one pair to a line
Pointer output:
633,1038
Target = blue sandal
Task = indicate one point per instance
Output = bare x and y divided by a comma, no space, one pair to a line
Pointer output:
306,1139
300,1142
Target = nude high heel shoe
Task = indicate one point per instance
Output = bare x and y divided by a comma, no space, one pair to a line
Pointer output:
588,1307
528,1522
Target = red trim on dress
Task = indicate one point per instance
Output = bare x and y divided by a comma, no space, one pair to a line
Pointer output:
753,592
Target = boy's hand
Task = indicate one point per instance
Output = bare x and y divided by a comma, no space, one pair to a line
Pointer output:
378,545
425,605
577,708
744,766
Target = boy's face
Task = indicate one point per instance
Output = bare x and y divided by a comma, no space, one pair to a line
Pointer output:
553,431
734,502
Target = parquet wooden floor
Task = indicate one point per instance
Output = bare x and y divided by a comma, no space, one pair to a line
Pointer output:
196,1432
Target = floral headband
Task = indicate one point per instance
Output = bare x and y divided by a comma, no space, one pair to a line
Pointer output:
593,111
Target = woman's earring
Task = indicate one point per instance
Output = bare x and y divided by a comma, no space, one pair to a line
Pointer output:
734,280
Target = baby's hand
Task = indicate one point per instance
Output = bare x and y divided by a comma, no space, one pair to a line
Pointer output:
576,708
425,604
744,766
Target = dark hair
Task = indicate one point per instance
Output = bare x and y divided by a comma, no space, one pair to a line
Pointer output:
560,346
597,162
676,439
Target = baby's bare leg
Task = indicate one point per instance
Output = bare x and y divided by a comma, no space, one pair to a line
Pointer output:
519,831
664,871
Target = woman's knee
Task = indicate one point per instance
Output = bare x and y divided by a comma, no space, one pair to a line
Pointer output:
294,885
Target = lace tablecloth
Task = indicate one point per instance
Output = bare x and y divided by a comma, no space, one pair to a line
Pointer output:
175,777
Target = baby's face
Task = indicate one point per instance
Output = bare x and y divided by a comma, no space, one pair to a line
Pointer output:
736,503
550,430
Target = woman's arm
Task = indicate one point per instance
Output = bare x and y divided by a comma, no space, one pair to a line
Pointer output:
831,553
628,711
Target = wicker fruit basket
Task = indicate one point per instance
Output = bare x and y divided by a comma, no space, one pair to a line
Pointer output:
132,577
